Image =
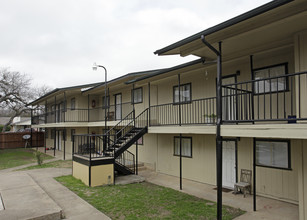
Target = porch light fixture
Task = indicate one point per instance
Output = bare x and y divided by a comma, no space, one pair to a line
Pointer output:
94,66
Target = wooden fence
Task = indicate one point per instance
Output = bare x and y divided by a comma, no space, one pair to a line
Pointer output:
15,140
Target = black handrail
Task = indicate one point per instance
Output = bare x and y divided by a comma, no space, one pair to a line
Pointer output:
270,99
121,123
199,111
127,159
134,123
268,78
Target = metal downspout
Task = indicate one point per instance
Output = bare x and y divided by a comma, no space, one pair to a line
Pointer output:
219,147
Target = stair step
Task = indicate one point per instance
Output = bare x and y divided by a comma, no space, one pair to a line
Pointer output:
129,134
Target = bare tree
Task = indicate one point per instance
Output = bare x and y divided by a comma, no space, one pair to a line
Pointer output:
16,92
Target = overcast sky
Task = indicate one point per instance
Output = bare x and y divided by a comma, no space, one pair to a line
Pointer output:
57,41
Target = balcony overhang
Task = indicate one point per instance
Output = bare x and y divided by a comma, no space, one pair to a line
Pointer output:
76,124
251,20
186,129
282,131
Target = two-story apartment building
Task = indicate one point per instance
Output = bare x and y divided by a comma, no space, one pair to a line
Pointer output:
254,65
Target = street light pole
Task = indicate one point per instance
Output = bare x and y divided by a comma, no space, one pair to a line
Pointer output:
95,66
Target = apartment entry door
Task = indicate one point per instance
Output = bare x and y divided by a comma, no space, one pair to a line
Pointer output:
229,163
118,106
229,98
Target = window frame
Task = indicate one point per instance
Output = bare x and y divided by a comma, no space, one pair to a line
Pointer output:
286,89
183,137
182,102
275,140
132,95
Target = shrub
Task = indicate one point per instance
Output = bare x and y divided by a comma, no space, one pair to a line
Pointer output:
39,157
8,128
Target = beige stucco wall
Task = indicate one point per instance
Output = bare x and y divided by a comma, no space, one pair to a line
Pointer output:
148,152
102,175
300,40
276,183
80,171
158,150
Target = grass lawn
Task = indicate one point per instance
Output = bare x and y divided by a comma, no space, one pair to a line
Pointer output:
146,201
54,164
17,157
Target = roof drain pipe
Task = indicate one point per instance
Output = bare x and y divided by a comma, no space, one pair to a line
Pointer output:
219,147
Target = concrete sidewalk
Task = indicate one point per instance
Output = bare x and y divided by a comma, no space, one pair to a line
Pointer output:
24,199
35,194
269,209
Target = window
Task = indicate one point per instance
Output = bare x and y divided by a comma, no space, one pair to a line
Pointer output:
72,132
273,154
108,102
271,85
186,146
46,133
73,104
185,93
137,95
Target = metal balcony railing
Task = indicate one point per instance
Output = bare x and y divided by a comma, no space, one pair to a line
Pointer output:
261,100
112,112
201,111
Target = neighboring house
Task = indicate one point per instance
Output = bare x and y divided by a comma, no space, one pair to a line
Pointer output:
20,123
262,123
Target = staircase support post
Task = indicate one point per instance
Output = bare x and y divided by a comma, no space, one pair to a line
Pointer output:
133,105
54,142
45,139
254,173
180,153
136,158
